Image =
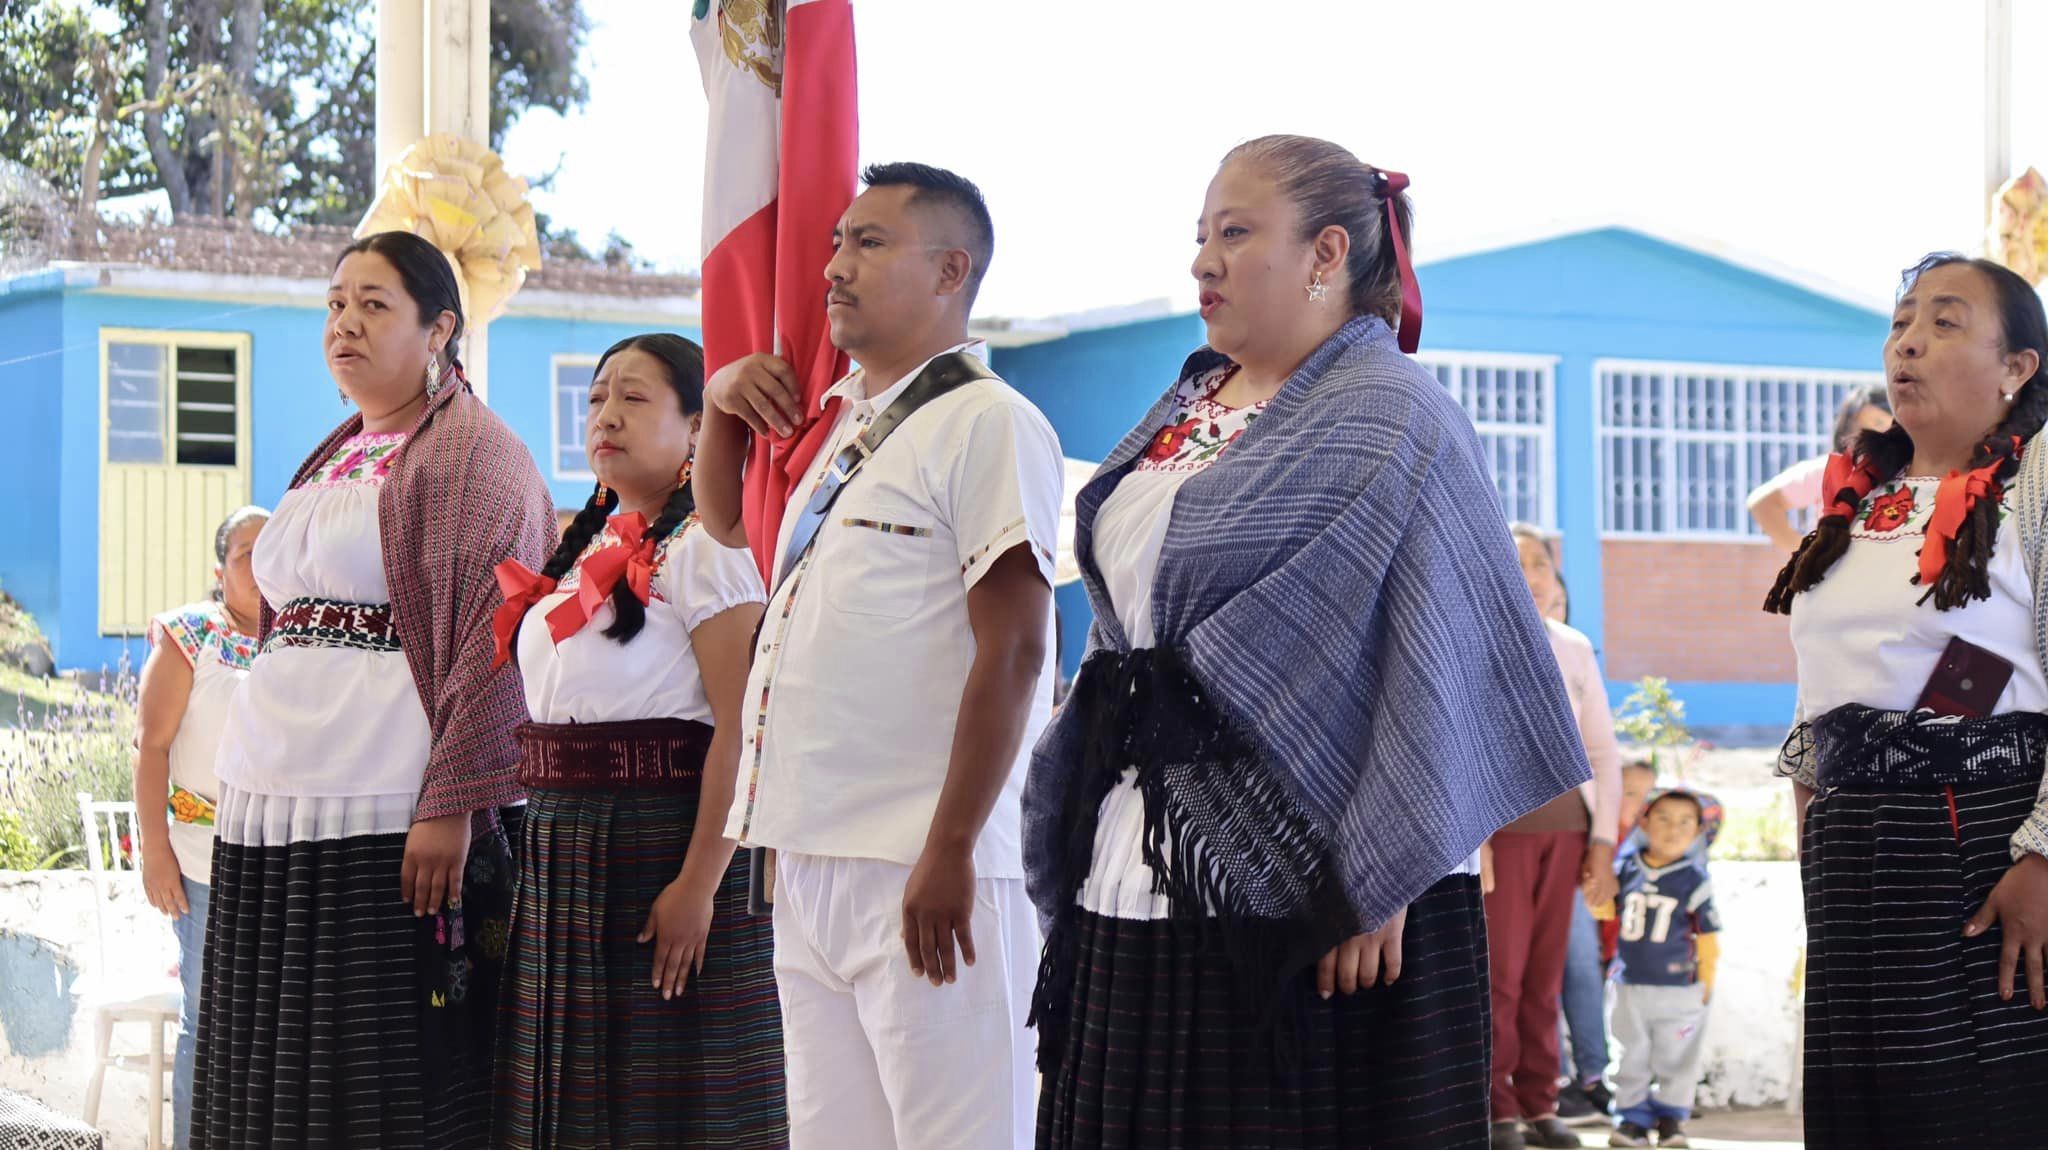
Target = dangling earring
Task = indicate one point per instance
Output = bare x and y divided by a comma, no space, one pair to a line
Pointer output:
683,472
433,373
343,395
1316,290
602,496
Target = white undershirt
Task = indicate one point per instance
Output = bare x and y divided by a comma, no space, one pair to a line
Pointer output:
1861,635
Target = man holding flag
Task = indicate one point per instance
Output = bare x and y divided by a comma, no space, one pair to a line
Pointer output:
905,517
902,676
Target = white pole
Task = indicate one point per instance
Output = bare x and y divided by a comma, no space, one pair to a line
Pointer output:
457,68
1997,103
401,117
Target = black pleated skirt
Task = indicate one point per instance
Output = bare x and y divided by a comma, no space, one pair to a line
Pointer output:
1907,1041
1164,1053
331,1017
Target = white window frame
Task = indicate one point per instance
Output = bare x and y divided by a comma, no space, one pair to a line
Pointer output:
1542,434
555,444
1811,441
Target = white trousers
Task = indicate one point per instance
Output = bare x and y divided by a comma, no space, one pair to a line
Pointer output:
879,1058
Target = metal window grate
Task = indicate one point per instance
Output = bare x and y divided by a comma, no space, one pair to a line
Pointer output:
1681,445
1511,400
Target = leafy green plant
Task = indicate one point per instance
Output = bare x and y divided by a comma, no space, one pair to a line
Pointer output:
1654,719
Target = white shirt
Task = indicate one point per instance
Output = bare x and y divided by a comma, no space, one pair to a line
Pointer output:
1862,636
855,689
324,742
587,678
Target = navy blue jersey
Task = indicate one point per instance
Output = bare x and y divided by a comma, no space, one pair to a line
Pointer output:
1662,911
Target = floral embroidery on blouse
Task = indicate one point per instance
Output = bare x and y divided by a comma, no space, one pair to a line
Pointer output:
361,460
1899,509
1200,429
608,537
1888,513
189,807
201,627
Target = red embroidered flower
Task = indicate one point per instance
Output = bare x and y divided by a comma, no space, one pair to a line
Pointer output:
1170,440
1889,512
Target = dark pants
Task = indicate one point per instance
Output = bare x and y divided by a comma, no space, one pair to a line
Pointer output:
1585,1000
1528,926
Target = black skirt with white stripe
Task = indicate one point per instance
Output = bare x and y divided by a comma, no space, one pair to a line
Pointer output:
1907,1041
1164,1052
331,1017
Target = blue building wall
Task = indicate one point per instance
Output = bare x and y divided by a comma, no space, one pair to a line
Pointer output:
50,381
32,392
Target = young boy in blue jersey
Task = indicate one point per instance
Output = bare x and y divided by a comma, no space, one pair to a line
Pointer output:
1665,961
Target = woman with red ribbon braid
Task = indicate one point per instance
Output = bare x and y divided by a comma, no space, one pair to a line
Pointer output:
362,874
1917,762
1317,683
639,1005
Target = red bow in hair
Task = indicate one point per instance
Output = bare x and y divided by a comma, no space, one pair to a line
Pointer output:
1952,502
1843,484
1393,184
522,588
629,556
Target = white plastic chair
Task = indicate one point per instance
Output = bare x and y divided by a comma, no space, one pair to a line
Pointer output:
124,996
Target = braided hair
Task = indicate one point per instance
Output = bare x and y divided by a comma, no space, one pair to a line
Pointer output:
1966,576
683,362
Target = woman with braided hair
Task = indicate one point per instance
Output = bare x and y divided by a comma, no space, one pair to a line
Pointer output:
639,1005
1918,761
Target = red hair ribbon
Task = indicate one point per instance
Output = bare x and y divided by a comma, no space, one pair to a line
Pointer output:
1843,484
629,556
1393,184
522,588
1952,502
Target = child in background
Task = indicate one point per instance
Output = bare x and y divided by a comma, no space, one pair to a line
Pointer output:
1584,1096
1666,954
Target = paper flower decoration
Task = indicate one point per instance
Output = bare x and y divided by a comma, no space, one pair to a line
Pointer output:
2019,226
455,194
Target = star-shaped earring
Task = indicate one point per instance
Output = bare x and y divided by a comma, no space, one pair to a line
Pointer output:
1316,289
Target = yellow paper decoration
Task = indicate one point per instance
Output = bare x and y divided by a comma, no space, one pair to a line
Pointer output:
2019,226
456,194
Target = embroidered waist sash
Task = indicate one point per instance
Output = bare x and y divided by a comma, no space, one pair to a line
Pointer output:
1860,746
642,754
333,623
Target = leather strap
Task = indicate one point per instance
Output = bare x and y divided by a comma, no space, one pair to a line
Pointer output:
941,375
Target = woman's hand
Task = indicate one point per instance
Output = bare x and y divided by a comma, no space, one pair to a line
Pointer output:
678,925
435,852
162,882
1363,961
1596,876
2018,906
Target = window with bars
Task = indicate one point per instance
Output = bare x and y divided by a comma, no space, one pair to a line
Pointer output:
1511,400
1681,445
170,402
572,376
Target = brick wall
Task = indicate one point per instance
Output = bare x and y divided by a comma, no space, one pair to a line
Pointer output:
1693,612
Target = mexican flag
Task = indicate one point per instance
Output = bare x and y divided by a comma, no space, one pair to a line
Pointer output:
781,165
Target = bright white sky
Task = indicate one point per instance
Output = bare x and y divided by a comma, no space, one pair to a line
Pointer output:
1841,139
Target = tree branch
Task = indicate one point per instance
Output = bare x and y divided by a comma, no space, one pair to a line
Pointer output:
157,35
